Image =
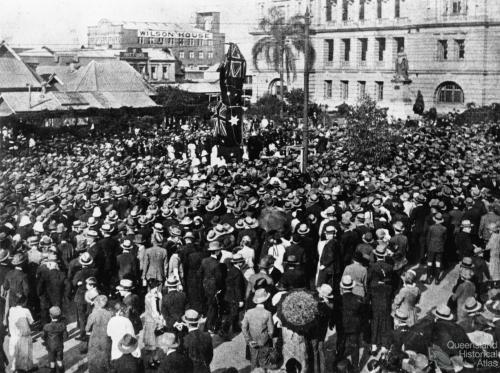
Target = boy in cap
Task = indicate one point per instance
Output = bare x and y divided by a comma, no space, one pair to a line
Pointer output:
54,334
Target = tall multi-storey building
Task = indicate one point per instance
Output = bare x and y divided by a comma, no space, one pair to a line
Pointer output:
452,48
198,45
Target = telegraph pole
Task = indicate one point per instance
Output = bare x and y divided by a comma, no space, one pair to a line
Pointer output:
305,135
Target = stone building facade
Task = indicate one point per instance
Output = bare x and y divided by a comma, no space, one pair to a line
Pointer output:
452,48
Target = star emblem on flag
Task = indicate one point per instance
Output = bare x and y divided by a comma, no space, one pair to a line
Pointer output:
233,120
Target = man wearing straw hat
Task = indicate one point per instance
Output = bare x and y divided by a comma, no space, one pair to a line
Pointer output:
349,325
258,326
211,273
173,361
197,344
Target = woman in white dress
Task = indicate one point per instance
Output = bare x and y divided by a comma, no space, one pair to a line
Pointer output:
20,342
118,326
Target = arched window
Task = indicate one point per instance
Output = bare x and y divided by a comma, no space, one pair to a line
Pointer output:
450,92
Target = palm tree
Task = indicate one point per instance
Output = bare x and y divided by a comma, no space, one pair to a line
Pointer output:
281,39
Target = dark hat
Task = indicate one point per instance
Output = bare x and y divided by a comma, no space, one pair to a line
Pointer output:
18,259
266,262
128,344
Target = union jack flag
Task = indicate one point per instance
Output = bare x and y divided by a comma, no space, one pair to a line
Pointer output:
220,118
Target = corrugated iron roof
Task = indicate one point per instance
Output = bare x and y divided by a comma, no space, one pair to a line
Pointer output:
14,73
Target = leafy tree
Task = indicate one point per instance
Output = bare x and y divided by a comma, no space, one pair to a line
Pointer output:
418,107
267,105
369,135
281,39
182,103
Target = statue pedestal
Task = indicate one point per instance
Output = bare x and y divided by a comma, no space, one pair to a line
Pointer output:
401,103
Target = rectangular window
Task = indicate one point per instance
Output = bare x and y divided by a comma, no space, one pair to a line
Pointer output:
344,89
181,41
210,55
379,93
347,49
153,72
328,10
329,50
248,79
361,89
181,54
345,10
379,9
200,55
381,48
191,55
400,44
361,9
397,8
363,44
460,47
328,89
442,49
456,6
165,72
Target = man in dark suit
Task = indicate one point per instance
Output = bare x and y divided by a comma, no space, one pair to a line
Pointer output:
173,361
349,322
78,283
212,275
173,304
436,239
107,248
331,264
52,287
293,277
417,223
234,295
127,263
127,363
196,344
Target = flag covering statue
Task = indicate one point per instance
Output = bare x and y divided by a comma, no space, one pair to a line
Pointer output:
229,110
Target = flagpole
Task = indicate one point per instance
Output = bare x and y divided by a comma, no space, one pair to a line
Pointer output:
305,140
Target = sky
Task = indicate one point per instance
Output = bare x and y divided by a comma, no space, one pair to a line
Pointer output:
64,22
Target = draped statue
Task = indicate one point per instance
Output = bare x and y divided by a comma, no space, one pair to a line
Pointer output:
401,67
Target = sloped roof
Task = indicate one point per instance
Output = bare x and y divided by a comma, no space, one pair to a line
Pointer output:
14,73
37,52
107,76
20,101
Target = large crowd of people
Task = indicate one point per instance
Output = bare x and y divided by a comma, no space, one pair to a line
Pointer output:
155,243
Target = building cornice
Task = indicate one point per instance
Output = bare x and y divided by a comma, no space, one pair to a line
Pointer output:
407,27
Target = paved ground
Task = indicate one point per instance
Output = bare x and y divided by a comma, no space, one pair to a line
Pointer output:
232,353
